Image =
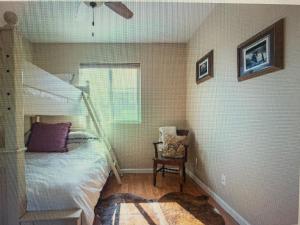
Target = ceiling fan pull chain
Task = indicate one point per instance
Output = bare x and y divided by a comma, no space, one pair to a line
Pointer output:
93,23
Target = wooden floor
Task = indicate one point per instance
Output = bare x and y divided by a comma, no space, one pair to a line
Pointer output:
141,185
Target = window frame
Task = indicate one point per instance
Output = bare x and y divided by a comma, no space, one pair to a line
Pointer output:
125,66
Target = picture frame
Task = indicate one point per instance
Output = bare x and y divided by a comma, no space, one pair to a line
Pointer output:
205,67
263,53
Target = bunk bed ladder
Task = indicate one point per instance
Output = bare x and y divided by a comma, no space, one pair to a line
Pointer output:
101,134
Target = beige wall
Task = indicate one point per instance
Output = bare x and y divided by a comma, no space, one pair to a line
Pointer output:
163,88
250,130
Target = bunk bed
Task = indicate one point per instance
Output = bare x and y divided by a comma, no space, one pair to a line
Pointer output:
61,181
58,188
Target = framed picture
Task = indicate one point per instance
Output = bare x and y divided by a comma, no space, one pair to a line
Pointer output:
263,53
205,67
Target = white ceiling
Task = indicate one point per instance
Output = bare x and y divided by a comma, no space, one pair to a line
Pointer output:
170,22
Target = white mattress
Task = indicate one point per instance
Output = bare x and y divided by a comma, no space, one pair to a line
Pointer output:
67,180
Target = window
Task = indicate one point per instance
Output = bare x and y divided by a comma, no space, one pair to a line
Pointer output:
115,90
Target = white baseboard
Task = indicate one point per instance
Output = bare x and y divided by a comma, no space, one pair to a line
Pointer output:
142,170
238,218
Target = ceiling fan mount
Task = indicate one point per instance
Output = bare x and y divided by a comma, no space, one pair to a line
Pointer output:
94,4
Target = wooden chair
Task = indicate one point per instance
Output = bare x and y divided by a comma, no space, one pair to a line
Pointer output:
177,162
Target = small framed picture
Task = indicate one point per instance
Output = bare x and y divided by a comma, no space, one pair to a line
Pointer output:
263,53
204,67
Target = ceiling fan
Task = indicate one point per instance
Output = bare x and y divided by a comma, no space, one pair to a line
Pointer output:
117,7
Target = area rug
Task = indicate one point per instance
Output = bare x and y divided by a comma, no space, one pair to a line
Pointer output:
171,209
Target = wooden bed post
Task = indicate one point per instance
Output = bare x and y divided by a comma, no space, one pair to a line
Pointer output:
12,178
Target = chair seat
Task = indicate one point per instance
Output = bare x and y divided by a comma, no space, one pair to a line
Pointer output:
168,158
163,159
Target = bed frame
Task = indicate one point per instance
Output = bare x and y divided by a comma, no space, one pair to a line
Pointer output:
28,90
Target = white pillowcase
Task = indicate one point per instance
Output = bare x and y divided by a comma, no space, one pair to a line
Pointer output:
80,137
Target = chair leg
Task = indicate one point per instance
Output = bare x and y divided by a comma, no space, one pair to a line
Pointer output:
184,174
181,176
163,170
154,172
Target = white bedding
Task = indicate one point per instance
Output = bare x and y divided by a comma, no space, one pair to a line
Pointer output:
67,180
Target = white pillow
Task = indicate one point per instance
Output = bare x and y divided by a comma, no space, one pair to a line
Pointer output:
80,137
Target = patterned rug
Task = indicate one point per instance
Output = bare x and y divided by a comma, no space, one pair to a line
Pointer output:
171,209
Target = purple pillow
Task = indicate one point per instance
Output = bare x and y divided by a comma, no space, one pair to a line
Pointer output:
46,137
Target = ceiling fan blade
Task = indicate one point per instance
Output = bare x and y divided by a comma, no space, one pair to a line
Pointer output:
119,8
